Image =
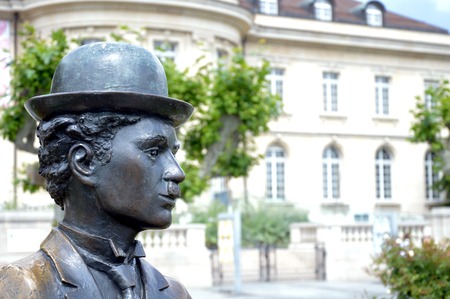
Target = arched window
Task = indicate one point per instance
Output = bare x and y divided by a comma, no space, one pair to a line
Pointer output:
383,174
330,170
323,10
275,173
374,15
431,177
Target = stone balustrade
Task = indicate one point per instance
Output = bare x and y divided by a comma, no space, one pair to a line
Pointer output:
188,236
349,247
302,233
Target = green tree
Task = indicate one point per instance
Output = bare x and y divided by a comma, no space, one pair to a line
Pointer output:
269,224
233,106
31,75
432,125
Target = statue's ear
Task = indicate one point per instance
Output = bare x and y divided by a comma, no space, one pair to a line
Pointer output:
81,162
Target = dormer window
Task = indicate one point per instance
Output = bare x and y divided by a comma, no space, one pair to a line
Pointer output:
374,15
323,10
268,7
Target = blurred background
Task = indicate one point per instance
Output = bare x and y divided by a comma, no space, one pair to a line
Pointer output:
321,129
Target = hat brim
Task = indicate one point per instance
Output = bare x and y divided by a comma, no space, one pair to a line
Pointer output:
46,106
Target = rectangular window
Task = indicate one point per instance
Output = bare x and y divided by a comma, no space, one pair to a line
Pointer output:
165,50
269,7
269,180
374,16
325,179
429,84
275,173
382,95
387,181
431,178
383,181
275,78
361,218
335,179
330,169
280,180
330,91
323,10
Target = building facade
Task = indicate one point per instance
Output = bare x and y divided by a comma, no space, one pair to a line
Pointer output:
348,74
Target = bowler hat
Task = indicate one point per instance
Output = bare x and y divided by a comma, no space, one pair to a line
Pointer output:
109,77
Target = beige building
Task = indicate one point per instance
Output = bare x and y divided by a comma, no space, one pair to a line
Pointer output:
348,73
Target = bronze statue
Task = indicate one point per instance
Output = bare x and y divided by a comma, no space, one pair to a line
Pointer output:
107,146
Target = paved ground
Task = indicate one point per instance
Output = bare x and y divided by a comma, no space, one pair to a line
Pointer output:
297,290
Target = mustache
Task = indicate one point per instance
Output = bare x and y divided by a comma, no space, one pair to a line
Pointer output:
173,190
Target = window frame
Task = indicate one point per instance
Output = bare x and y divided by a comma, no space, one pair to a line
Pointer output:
275,179
383,174
428,101
382,95
374,15
323,10
164,54
330,85
431,177
331,177
268,7
276,81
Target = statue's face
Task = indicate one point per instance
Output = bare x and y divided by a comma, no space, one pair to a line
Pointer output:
139,185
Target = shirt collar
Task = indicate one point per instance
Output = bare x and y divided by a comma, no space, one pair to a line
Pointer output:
104,248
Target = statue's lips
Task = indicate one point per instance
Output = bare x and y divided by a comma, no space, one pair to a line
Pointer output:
169,202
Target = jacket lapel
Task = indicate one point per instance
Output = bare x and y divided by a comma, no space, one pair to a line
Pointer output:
70,266
154,281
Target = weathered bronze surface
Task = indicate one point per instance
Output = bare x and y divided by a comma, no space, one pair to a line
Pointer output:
108,141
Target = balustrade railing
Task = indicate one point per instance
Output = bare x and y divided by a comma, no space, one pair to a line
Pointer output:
302,233
189,236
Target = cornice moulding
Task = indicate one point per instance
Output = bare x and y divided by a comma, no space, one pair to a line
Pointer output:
228,13
349,41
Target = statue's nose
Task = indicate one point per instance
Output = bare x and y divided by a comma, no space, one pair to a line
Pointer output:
174,172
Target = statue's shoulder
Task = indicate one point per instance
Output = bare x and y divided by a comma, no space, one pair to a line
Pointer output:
30,277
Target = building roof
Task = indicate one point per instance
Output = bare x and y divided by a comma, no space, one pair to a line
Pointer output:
345,11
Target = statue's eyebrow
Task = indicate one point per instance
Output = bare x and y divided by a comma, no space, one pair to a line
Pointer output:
150,141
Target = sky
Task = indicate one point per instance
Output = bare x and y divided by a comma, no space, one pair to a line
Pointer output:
434,12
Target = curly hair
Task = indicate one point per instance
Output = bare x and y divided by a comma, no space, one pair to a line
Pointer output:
58,134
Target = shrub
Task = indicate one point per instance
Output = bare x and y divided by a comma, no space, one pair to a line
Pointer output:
414,271
263,225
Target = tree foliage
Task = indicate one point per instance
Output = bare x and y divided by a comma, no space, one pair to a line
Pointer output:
414,271
269,224
31,75
233,105
432,125
261,225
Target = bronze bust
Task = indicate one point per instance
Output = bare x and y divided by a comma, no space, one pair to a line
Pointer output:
107,146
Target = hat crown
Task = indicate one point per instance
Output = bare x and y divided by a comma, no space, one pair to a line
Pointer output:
114,77
112,67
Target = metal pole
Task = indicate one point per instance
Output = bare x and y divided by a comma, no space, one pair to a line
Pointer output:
237,252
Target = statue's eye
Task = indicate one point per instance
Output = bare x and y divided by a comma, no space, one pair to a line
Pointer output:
152,152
